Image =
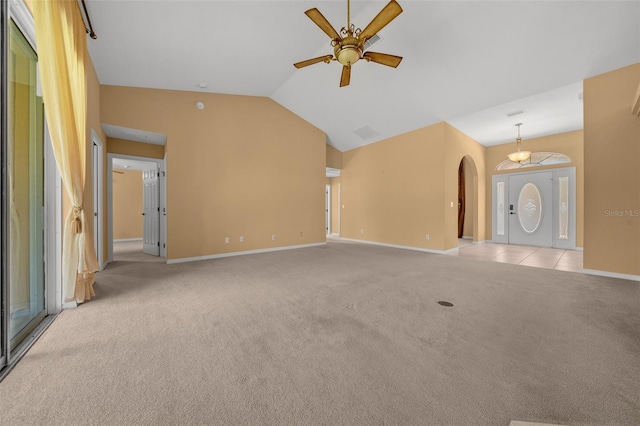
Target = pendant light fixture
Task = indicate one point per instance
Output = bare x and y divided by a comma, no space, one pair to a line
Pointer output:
519,156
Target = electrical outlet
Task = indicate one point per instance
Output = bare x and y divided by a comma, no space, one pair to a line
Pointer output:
427,237
362,231
226,240
241,239
273,238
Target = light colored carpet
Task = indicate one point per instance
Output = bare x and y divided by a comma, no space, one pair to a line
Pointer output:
346,334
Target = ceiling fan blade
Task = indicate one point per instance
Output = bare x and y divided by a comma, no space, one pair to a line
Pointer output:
386,15
383,58
308,62
345,78
319,19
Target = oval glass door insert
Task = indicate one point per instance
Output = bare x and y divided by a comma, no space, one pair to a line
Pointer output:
530,208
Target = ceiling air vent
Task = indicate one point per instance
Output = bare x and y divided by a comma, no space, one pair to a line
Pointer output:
371,41
366,132
514,113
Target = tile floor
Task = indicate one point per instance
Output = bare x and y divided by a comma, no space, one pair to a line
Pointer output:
541,257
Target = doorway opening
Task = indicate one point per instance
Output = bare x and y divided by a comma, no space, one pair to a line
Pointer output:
327,209
535,208
467,223
137,203
98,193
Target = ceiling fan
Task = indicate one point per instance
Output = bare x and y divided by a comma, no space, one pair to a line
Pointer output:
350,47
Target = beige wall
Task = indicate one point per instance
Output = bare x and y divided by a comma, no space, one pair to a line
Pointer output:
243,166
335,205
139,149
570,144
93,123
334,160
398,190
334,157
458,146
612,173
127,204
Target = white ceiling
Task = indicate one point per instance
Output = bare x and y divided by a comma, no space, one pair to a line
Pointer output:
555,111
126,163
135,135
465,62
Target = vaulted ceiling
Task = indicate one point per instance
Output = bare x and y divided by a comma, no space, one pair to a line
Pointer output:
470,63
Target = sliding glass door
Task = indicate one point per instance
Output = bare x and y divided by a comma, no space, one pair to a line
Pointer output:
4,315
25,191
30,195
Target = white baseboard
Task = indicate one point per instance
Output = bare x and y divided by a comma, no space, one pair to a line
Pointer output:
579,248
242,253
466,237
611,274
69,305
124,240
335,234
481,242
375,243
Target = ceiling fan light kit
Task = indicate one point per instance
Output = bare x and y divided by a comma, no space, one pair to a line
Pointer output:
348,52
350,47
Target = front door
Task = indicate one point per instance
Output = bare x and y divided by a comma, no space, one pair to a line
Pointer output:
529,209
535,208
151,212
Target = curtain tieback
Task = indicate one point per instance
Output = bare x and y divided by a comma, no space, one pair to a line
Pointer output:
76,224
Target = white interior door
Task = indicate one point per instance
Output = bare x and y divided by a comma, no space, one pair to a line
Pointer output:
151,207
97,197
327,208
530,209
96,200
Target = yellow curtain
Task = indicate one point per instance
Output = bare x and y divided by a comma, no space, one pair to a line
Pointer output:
61,41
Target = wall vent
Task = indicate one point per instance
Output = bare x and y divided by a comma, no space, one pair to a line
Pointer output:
366,132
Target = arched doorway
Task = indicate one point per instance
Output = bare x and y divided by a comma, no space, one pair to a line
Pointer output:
467,224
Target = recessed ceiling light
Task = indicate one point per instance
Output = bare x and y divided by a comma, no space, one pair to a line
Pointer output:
202,85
